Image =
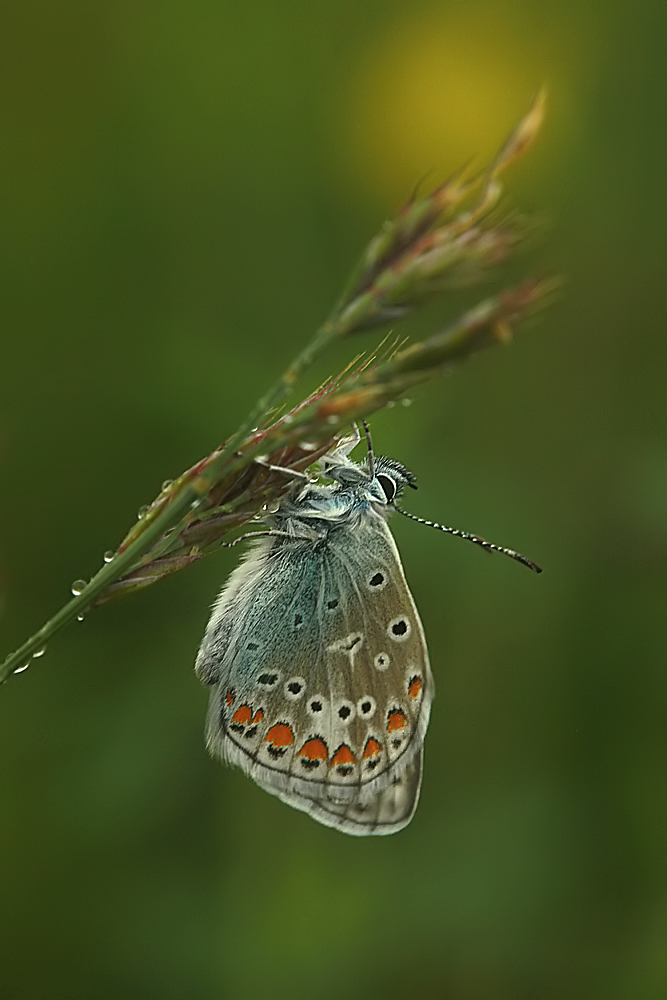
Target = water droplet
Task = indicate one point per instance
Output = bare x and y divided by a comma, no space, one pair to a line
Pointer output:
167,483
78,586
108,555
406,402
143,511
288,418
40,652
308,446
79,618
19,670
333,419
391,404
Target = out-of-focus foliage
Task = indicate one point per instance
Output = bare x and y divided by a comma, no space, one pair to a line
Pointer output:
183,188
435,242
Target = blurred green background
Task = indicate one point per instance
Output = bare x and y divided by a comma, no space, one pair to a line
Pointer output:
184,188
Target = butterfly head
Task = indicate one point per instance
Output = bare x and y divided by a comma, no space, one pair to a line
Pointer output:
381,477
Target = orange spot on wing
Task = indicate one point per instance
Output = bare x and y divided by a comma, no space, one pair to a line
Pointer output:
343,755
280,735
258,717
414,687
314,750
241,716
372,748
396,720
229,698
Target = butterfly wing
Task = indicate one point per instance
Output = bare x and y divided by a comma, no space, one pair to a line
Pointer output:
321,681
385,812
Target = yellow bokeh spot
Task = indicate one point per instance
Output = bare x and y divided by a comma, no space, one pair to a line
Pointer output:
438,90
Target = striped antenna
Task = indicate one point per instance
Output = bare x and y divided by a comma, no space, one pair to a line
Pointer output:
489,546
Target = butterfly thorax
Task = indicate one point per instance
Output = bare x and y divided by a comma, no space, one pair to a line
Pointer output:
354,495
320,510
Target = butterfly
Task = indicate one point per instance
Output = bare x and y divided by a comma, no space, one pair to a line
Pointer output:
321,687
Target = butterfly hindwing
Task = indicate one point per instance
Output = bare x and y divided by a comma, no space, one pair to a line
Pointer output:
385,812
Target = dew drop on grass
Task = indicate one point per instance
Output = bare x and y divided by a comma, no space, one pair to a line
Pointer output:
78,586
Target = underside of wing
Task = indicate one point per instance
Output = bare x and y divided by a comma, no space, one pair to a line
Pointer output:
324,694
386,812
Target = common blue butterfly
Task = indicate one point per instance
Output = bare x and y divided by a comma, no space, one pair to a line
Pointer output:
321,684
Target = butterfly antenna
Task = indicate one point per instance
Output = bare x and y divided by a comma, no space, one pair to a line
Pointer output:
489,546
369,454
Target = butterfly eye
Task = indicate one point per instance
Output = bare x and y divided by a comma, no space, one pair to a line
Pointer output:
388,486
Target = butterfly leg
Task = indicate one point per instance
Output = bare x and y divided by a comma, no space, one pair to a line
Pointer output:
252,534
280,468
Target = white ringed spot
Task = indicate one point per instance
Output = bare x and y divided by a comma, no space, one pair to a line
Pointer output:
377,580
366,707
294,688
382,661
399,628
269,678
345,711
317,706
